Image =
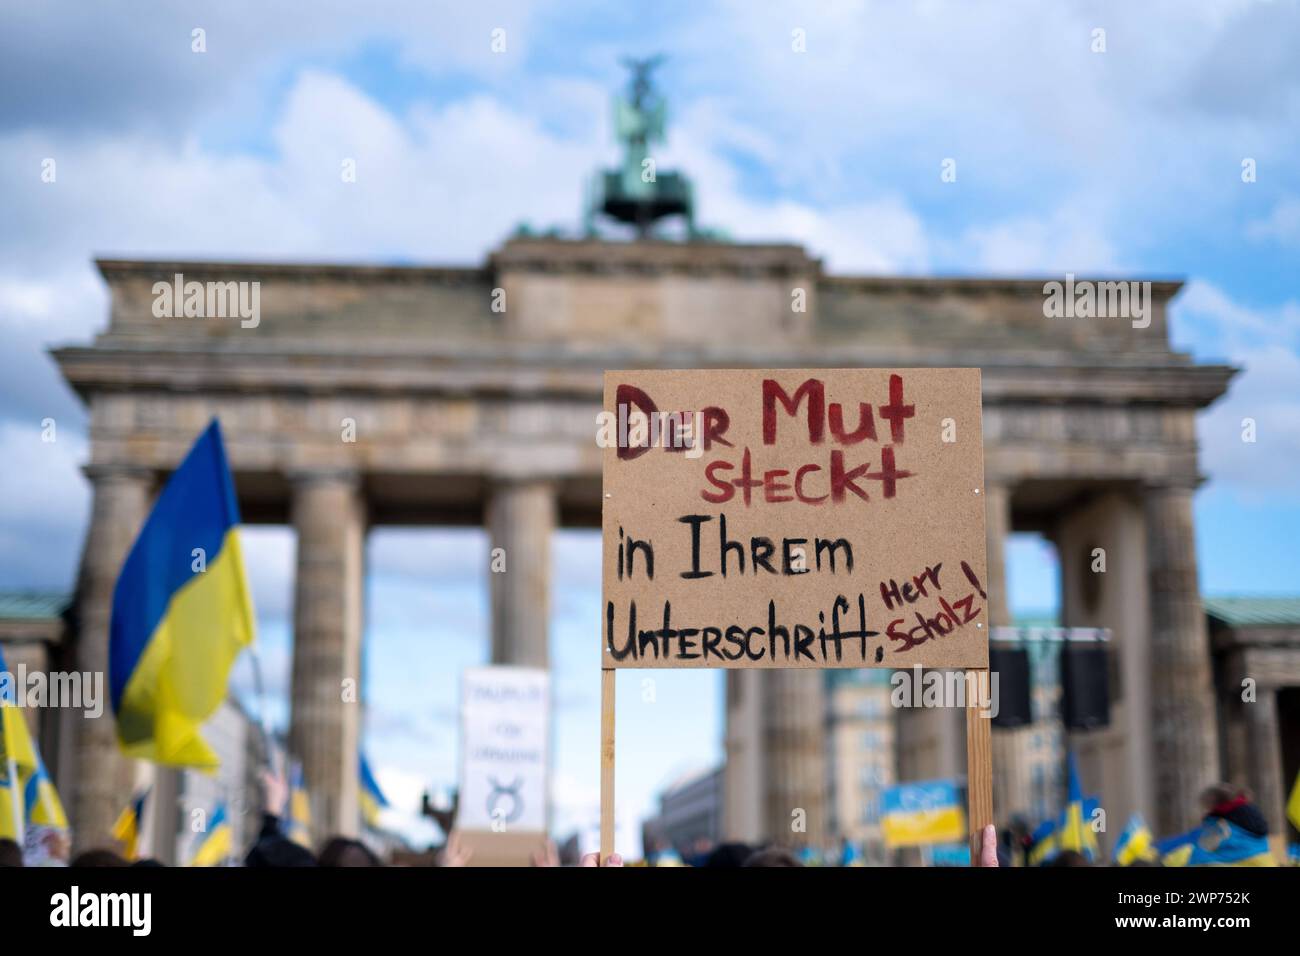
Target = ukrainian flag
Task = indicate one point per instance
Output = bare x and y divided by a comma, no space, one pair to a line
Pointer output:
126,830
1216,842
1074,832
44,809
18,759
297,827
919,814
216,844
1043,844
1135,842
372,798
181,613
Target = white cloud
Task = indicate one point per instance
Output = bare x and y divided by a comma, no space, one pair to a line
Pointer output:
1281,225
140,72
575,559
404,789
1072,238
44,520
270,553
575,806
442,184
1265,343
445,556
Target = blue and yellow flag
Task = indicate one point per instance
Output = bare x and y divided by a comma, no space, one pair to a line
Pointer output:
1135,842
47,833
181,613
666,858
126,830
43,806
1075,832
297,823
1042,845
26,789
1216,842
372,798
921,814
18,760
215,846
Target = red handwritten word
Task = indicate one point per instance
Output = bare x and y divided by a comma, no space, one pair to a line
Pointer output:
951,617
811,483
814,391
777,489
715,424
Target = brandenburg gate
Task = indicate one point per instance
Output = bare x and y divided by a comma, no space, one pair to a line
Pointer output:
363,396
368,396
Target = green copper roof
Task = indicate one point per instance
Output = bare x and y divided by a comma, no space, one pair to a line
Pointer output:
33,605
1036,619
1255,611
864,676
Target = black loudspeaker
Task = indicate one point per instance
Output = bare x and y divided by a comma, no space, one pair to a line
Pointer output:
1085,685
1011,664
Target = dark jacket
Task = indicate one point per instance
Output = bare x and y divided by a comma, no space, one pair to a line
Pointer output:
1241,813
274,849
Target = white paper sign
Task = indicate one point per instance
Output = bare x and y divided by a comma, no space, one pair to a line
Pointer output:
505,715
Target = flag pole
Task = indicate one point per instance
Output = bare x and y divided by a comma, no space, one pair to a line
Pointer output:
230,824
20,829
263,720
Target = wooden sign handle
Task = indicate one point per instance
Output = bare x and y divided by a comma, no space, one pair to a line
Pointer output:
606,764
979,766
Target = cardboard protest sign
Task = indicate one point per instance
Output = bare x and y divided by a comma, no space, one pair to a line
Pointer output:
793,518
502,812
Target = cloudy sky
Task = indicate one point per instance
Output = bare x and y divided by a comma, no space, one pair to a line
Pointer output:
1127,161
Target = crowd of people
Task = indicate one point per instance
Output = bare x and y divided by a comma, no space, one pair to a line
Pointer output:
273,848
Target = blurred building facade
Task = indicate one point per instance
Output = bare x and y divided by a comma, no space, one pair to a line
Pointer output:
862,756
1256,645
34,633
183,801
34,627
689,817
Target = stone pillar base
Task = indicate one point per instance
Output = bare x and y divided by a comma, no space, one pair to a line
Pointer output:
521,516
325,723
101,787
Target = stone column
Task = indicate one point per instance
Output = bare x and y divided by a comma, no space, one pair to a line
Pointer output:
102,784
1012,784
328,513
742,775
1264,750
794,757
1182,693
521,515
162,814
997,525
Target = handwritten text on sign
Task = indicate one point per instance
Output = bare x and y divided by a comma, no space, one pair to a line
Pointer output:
794,518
